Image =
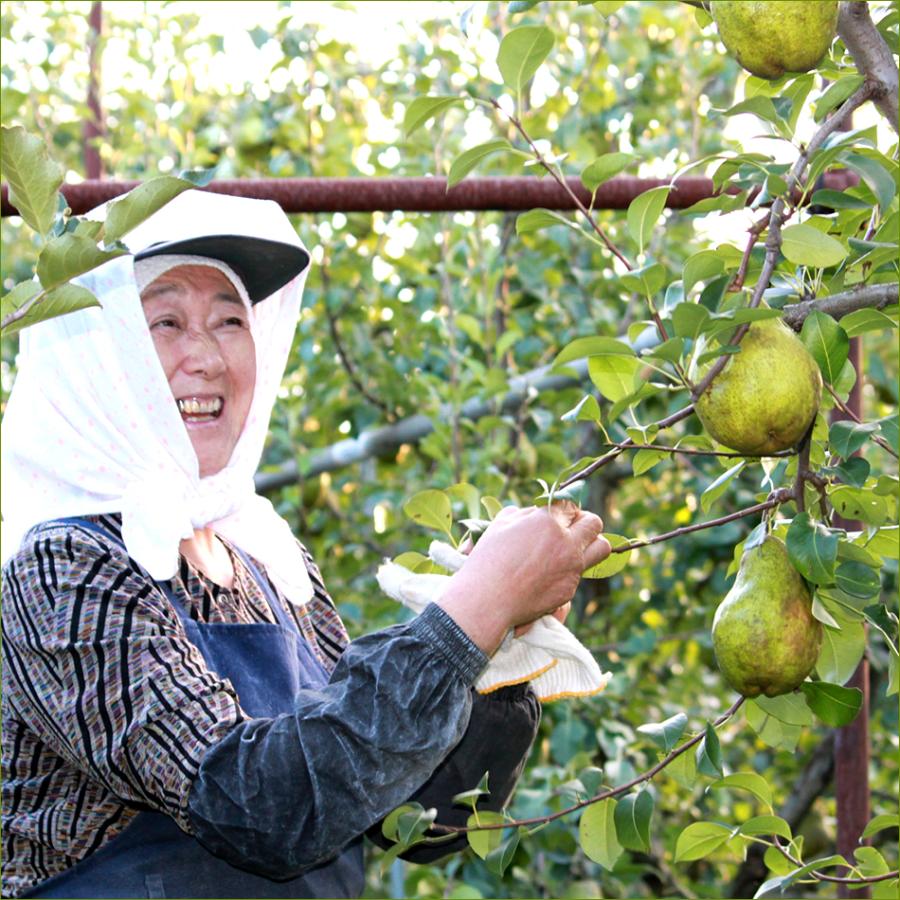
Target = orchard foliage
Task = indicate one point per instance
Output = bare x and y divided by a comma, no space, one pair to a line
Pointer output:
661,784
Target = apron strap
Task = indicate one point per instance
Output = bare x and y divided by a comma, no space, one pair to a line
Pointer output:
277,608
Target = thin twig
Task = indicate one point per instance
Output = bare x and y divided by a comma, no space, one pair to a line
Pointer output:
603,795
834,879
344,357
782,495
852,415
690,451
609,457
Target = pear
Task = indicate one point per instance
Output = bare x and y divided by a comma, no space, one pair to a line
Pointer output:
771,38
767,395
764,635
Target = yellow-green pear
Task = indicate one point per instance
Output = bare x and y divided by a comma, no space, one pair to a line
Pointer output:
764,635
771,38
767,395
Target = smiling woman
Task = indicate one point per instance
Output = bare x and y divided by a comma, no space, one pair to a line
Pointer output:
183,714
198,314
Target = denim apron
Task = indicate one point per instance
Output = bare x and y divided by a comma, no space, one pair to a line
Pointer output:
152,856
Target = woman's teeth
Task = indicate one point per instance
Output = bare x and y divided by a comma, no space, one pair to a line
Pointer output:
193,407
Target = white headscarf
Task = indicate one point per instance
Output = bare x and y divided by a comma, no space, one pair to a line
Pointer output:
92,426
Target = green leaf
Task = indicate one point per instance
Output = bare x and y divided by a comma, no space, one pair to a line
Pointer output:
880,181
862,320
605,167
700,839
838,200
719,486
683,770
804,245
857,579
413,824
613,563
465,162
616,377
791,709
748,781
701,266
668,351
646,280
632,820
597,834
64,299
812,549
836,94
709,753
827,342
466,797
834,705
770,729
500,857
33,178
644,460
608,7
859,504
483,842
762,107
665,734
389,826
586,410
880,823
845,438
126,213
536,219
424,108
521,52
689,319
767,825
592,346
643,214
842,647
431,509
68,256
781,882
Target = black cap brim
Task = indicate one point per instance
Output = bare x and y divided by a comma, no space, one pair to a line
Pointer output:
263,266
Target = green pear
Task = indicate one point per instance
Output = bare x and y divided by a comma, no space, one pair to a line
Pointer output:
771,38
767,395
764,634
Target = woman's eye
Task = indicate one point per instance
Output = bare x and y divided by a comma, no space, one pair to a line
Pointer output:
165,323
234,320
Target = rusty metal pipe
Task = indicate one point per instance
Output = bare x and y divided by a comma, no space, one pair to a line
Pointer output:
329,195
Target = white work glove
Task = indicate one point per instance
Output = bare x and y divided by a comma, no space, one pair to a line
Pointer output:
548,655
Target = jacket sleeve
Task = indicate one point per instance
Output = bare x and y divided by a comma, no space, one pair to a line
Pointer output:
281,795
500,734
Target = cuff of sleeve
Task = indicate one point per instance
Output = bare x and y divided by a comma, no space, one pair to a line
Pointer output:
439,629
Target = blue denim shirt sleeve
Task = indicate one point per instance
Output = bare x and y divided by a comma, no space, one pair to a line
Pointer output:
281,795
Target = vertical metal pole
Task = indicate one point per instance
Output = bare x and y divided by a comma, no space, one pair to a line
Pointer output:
93,124
851,748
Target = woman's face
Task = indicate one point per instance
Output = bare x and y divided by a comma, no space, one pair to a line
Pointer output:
201,330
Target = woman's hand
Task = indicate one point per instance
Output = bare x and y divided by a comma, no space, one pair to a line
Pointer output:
526,564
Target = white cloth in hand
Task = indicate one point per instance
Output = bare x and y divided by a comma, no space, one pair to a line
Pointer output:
548,655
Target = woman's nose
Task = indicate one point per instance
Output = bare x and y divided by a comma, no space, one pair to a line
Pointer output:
202,353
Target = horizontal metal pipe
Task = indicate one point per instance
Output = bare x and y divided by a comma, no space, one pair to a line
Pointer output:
330,195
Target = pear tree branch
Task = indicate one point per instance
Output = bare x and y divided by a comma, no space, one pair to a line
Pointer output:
603,795
691,451
776,498
872,56
872,296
